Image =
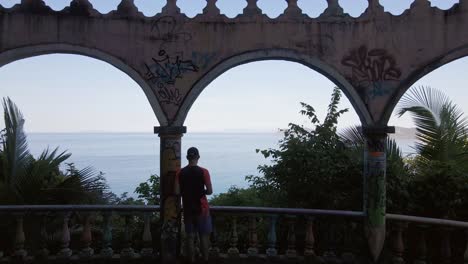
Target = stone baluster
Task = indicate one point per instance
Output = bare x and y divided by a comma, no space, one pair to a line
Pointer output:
291,251
445,247
233,251
465,256
330,252
43,252
253,237
420,5
171,8
86,237
33,3
211,9
293,9
81,7
309,238
422,246
349,242
127,8
252,8
398,246
333,9
214,249
107,251
197,245
127,250
271,250
147,250
65,251
20,238
375,7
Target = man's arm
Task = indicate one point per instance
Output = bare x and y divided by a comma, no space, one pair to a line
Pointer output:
207,178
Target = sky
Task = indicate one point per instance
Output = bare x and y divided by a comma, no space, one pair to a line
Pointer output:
71,93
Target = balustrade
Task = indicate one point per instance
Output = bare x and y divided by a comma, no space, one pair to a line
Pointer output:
421,249
293,11
271,251
246,233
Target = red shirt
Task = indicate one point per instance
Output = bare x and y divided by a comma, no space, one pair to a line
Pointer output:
205,209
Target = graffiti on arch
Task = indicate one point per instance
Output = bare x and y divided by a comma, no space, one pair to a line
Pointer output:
169,65
163,73
371,71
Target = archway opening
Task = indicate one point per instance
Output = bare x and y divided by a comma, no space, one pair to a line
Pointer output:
89,108
431,147
449,79
246,108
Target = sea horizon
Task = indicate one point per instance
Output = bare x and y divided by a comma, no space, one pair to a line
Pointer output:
129,158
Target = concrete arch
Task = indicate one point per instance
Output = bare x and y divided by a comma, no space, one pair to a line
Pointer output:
273,54
12,55
433,65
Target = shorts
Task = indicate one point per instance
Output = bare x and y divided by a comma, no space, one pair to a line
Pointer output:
200,224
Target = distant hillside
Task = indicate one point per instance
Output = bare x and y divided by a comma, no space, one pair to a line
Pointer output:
404,133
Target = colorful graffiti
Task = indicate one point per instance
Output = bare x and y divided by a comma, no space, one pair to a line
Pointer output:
164,72
371,69
169,65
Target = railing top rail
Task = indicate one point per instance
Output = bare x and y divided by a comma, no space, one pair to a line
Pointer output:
427,221
285,211
49,208
231,209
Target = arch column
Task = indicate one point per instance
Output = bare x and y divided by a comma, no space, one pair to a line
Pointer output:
375,166
170,163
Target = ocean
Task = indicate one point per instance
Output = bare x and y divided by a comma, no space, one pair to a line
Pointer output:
127,159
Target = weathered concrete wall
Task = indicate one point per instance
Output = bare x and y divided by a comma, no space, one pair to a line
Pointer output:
374,58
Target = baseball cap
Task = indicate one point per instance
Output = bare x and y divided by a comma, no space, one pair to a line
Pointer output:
192,153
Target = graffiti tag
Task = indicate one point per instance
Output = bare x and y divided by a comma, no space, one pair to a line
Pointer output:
163,73
169,65
370,68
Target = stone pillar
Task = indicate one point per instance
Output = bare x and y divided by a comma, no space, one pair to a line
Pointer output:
170,162
375,165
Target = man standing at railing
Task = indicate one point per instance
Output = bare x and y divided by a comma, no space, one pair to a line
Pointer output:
193,183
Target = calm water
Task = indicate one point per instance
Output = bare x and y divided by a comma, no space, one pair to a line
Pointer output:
128,159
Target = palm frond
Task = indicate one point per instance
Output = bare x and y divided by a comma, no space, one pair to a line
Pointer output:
52,158
40,175
440,125
15,147
83,186
353,136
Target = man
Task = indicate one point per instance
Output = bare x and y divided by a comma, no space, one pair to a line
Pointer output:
193,183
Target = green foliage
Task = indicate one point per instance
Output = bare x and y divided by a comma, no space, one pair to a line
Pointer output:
312,168
149,190
236,196
27,180
440,178
125,200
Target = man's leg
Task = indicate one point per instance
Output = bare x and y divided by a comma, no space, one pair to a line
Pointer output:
190,247
190,239
205,245
204,230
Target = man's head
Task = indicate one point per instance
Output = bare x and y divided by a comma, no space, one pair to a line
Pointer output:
193,154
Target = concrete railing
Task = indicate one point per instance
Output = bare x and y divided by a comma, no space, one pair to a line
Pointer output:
127,8
247,234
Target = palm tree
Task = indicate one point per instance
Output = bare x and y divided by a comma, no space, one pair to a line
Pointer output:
26,180
441,161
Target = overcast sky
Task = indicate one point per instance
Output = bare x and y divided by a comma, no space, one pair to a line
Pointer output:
71,93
